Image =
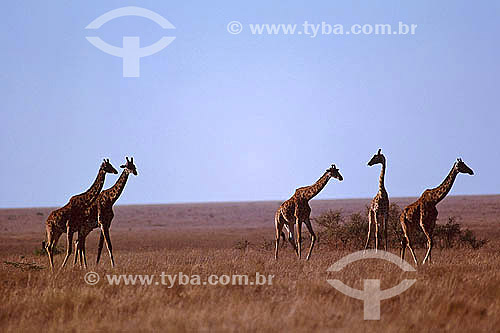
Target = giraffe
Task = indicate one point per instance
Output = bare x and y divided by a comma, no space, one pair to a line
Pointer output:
296,211
423,212
378,213
100,214
62,220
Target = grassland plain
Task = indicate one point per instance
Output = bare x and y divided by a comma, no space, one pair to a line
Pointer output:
459,292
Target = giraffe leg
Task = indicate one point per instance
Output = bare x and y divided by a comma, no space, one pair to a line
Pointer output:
429,246
402,249
370,220
298,231
291,240
278,226
313,237
52,238
105,230
48,248
69,245
412,252
406,242
83,254
376,232
289,229
77,251
428,215
99,248
50,252
386,218
80,254
283,237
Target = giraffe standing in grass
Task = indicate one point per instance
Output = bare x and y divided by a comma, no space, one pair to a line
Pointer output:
378,213
296,211
64,219
423,212
100,215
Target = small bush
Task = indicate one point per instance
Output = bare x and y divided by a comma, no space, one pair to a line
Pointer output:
25,266
330,224
447,235
467,238
266,245
351,232
242,245
451,235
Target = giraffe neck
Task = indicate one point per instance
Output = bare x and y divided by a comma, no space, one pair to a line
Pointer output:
116,190
313,190
440,192
91,194
381,185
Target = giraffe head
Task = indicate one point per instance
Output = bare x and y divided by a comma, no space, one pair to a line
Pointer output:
378,158
130,166
107,167
334,172
461,167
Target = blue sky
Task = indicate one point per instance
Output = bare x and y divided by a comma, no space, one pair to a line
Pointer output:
222,117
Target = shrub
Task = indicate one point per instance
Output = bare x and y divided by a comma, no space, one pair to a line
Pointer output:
330,224
451,235
25,266
467,238
338,231
446,235
351,232
242,245
267,245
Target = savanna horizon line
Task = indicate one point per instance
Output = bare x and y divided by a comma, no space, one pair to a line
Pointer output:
392,199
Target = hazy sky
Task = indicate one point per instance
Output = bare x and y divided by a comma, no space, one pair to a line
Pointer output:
222,117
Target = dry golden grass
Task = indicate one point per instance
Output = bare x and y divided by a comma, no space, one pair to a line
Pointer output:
459,292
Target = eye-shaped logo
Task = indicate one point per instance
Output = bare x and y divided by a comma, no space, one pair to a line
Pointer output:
131,52
371,295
